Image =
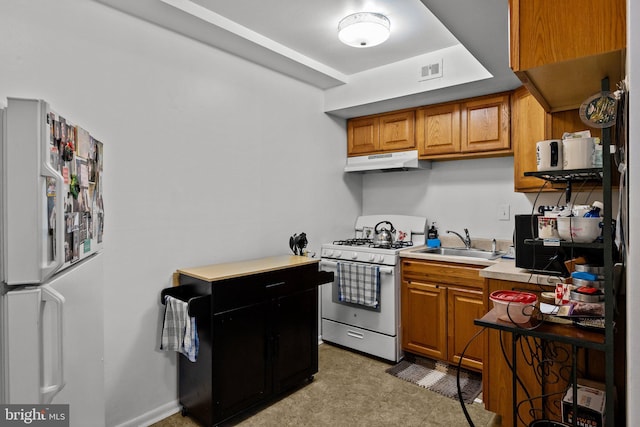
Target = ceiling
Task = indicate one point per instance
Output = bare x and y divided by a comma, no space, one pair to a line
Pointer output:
299,37
310,28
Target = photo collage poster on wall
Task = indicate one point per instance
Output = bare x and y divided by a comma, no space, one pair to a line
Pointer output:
78,157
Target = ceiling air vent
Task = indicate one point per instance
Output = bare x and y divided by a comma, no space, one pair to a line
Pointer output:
431,71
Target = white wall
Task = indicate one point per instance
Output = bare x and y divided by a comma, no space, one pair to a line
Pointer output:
208,158
459,194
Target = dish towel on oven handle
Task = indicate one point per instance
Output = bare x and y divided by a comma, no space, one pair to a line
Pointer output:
179,332
359,284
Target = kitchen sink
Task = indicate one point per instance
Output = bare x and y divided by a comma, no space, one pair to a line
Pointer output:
471,253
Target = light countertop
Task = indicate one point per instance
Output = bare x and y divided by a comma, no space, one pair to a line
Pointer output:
506,269
500,269
216,272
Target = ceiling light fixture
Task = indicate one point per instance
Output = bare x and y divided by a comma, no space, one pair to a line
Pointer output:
364,29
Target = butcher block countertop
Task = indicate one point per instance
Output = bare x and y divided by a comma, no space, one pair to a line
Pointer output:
216,272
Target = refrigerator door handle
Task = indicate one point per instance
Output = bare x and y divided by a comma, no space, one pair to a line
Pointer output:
47,171
48,391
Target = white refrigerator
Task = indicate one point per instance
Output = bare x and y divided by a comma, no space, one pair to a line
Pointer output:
51,267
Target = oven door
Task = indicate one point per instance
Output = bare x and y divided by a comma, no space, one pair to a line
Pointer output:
384,319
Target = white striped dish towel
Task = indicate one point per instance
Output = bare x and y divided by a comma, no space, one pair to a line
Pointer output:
359,284
179,332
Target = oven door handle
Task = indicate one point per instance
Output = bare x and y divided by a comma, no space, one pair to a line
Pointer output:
334,265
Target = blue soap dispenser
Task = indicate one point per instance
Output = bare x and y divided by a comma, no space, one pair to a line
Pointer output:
432,236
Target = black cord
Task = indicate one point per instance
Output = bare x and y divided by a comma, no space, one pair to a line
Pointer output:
518,379
464,407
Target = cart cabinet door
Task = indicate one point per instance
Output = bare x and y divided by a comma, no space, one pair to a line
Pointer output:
240,353
296,339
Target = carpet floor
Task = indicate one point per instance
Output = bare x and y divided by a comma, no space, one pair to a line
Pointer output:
351,389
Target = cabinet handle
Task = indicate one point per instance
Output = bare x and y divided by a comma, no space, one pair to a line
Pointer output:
273,285
355,334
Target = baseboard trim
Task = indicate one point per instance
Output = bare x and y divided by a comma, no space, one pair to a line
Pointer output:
153,416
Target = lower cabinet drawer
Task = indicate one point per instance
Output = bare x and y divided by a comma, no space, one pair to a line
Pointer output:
360,339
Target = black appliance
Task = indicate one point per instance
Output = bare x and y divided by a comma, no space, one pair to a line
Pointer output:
537,258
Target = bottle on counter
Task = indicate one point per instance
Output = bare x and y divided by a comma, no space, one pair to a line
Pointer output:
432,236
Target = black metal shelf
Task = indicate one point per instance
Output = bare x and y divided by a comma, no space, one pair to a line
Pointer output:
591,174
566,244
548,331
571,176
570,334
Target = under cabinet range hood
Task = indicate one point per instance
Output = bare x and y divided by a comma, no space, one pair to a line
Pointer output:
387,162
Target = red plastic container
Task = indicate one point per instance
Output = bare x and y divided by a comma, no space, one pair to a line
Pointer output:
514,306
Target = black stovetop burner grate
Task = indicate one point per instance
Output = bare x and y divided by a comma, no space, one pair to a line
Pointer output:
354,242
369,243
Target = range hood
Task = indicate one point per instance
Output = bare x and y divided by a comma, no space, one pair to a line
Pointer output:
387,162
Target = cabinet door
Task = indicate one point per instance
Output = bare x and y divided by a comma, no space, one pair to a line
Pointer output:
485,124
528,120
438,130
295,339
424,317
397,131
545,31
464,306
363,136
240,374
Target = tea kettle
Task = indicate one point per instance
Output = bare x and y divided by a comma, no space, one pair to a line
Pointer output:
383,237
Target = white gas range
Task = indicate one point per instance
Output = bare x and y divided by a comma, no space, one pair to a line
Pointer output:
361,308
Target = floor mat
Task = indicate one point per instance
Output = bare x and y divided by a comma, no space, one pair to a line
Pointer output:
439,377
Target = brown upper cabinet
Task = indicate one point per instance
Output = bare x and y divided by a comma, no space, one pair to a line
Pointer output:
562,49
438,129
477,127
381,133
529,123
485,124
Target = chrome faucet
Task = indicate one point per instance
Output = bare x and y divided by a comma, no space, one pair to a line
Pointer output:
466,240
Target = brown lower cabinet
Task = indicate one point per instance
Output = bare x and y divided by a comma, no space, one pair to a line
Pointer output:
439,304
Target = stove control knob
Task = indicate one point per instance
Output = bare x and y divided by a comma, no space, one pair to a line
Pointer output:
380,258
338,254
354,255
372,257
328,253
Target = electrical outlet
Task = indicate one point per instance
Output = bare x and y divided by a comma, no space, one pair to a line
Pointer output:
503,212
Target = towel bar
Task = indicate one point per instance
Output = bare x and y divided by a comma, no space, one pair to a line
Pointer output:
198,302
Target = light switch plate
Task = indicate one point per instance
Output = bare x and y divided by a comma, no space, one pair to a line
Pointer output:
503,212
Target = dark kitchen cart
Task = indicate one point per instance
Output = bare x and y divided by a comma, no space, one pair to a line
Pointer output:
576,338
258,333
